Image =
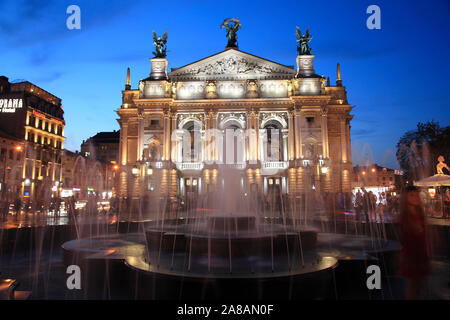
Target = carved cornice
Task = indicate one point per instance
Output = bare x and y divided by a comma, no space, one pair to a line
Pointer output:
232,65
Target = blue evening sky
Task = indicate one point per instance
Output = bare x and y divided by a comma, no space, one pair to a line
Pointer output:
395,76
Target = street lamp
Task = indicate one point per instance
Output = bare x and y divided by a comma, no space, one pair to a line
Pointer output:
135,170
149,171
324,170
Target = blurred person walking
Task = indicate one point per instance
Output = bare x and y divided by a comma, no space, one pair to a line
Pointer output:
415,258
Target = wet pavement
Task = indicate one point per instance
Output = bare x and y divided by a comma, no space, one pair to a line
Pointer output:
44,273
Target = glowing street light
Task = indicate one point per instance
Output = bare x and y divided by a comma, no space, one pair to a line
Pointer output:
149,171
135,171
324,170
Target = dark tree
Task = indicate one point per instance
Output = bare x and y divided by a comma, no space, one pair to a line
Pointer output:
418,150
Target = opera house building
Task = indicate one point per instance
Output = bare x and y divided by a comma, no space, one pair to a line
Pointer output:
278,129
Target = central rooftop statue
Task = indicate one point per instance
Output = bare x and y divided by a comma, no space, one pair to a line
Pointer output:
232,26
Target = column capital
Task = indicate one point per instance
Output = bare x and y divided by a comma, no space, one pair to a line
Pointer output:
324,110
252,113
210,114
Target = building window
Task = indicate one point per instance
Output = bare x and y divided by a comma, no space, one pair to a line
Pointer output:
154,122
11,154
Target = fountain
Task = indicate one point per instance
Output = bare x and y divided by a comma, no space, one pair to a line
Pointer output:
208,252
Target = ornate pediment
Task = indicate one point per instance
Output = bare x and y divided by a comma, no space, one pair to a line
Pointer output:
232,65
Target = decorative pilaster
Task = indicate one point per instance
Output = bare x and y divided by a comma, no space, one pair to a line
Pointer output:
291,139
343,134
123,142
349,151
298,134
215,143
166,152
208,155
173,141
253,137
140,142
285,146
325,145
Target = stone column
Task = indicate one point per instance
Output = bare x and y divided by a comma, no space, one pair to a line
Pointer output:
291,139
214,145
124,142
252,137
140,142
209,142
343,134
166,152
285,142
349,142
298,134
258,140
179,148
173,144
325,146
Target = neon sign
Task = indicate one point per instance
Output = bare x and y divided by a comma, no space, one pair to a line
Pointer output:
10,105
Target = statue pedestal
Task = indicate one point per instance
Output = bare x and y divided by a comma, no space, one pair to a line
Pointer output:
305,65
159,68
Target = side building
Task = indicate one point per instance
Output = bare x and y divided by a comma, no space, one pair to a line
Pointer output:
32,124
84,175
104,149
104,146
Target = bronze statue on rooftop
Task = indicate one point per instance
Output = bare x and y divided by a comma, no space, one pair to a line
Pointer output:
160,44
232,26
303,42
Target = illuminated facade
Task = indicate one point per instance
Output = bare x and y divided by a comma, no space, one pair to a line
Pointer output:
34,117
285,129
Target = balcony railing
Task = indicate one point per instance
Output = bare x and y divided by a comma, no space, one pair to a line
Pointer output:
190,165
239,166
275,165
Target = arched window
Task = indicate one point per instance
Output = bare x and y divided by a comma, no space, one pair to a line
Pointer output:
191,148
273,140
233,144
